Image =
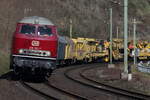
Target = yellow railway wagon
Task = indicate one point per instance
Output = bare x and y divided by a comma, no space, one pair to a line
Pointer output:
103,50
87,50
79,48
144,53
84,48
69,49
117,49
143,50
92,49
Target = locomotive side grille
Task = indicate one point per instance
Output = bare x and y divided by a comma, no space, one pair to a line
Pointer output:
34,52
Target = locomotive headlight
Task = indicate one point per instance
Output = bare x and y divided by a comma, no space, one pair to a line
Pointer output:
21,51
48,53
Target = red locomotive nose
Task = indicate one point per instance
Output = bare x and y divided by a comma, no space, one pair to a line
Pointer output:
34,45
31,38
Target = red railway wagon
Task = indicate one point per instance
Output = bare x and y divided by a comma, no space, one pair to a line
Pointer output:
36,46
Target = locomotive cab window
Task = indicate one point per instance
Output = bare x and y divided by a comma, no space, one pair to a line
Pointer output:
27,29
44,31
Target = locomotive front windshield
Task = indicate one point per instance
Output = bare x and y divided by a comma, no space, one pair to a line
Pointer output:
31,29
27,29
44,31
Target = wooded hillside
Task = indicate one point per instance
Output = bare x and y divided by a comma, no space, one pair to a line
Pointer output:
90,17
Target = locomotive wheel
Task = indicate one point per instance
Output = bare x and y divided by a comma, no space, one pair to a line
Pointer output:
74,61
61,63
11,64
48,74
86,60
16,71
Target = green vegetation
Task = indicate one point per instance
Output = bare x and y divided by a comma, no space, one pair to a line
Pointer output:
4,62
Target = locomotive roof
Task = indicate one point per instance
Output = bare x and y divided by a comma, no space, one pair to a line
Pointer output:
36,20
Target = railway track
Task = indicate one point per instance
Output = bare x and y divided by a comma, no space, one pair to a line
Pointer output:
70,83
65,93
61,80
38,92
47,91
71,74
132,94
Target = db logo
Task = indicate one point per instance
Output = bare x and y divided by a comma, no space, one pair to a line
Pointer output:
35,43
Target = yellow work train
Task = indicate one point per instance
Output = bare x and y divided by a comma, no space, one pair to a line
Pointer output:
142,50
84,50
117,49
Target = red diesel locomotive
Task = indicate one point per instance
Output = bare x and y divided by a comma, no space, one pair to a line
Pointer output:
36,46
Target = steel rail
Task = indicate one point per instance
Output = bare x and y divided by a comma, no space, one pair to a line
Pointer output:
108,88
78,97
47,97
135,95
